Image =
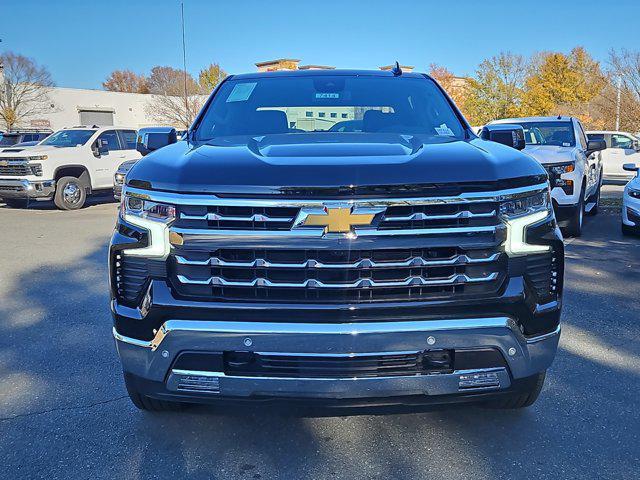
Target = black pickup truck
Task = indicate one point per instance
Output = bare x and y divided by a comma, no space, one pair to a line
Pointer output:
270,255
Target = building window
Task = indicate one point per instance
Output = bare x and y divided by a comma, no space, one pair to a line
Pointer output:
309,114
321,114
334,115
344,115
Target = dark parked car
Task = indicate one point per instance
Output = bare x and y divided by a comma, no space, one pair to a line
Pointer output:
14,137
266,258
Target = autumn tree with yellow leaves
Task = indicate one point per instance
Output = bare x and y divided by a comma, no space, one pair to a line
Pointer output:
497,89
549,83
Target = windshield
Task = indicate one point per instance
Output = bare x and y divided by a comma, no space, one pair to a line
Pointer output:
303,105
8,140
68,138
559,134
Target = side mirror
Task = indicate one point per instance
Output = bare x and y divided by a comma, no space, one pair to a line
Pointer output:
505,133
630,167
154,138
636,145
595,146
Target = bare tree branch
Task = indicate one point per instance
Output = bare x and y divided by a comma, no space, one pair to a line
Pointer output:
25,92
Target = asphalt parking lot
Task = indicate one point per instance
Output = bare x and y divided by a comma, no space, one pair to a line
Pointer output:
64,412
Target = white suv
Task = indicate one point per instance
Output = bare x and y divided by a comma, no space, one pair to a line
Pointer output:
575,173
66,167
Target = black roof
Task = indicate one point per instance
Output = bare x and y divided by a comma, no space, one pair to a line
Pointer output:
325,73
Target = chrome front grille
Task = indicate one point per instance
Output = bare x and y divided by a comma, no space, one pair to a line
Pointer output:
395,217
296,275
236,217
21,169
260,249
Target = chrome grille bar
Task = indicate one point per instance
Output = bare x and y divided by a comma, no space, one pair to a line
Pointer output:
257,217
456,279
363,263
426,216
200,199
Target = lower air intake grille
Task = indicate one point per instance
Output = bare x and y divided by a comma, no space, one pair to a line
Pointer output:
334,366
542,275
132,273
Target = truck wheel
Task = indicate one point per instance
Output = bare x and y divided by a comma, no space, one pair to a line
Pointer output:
594,210
70,193
627,230
574,228
520,400
17,202
149,404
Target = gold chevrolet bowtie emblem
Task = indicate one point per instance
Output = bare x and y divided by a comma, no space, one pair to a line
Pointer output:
337,219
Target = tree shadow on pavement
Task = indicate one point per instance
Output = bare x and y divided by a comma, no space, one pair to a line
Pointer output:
66,414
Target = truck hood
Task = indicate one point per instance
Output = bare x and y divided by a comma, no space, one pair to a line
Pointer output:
550,153
32,150
281,164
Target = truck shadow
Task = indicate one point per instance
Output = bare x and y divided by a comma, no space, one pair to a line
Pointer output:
96,199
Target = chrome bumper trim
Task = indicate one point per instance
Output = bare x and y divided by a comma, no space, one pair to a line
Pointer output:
251,328
28,188
540,338
152,359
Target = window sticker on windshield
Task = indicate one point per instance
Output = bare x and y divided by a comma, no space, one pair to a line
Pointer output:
327,95
241,92
444,130
566,144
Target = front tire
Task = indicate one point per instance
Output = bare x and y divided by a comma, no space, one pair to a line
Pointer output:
148,404
521,400
574,228
71,193
627,230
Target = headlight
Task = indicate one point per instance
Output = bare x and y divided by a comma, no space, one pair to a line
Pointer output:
634,193
555,172
539,202
146,209
38,157
564,168
119,178
518,214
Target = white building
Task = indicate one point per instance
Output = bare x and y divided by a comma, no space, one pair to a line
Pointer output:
75,106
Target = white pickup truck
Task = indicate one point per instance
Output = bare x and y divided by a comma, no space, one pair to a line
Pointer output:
622,148
66,167
575,173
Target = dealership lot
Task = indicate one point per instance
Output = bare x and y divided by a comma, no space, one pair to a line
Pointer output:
64,412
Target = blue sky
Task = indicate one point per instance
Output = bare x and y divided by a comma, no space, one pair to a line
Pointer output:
82,41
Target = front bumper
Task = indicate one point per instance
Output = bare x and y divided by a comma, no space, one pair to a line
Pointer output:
151,361
20,188
630,210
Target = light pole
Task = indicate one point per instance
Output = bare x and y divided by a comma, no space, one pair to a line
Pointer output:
184,66
618,103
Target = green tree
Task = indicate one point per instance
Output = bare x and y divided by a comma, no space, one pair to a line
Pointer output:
497,89
210,77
